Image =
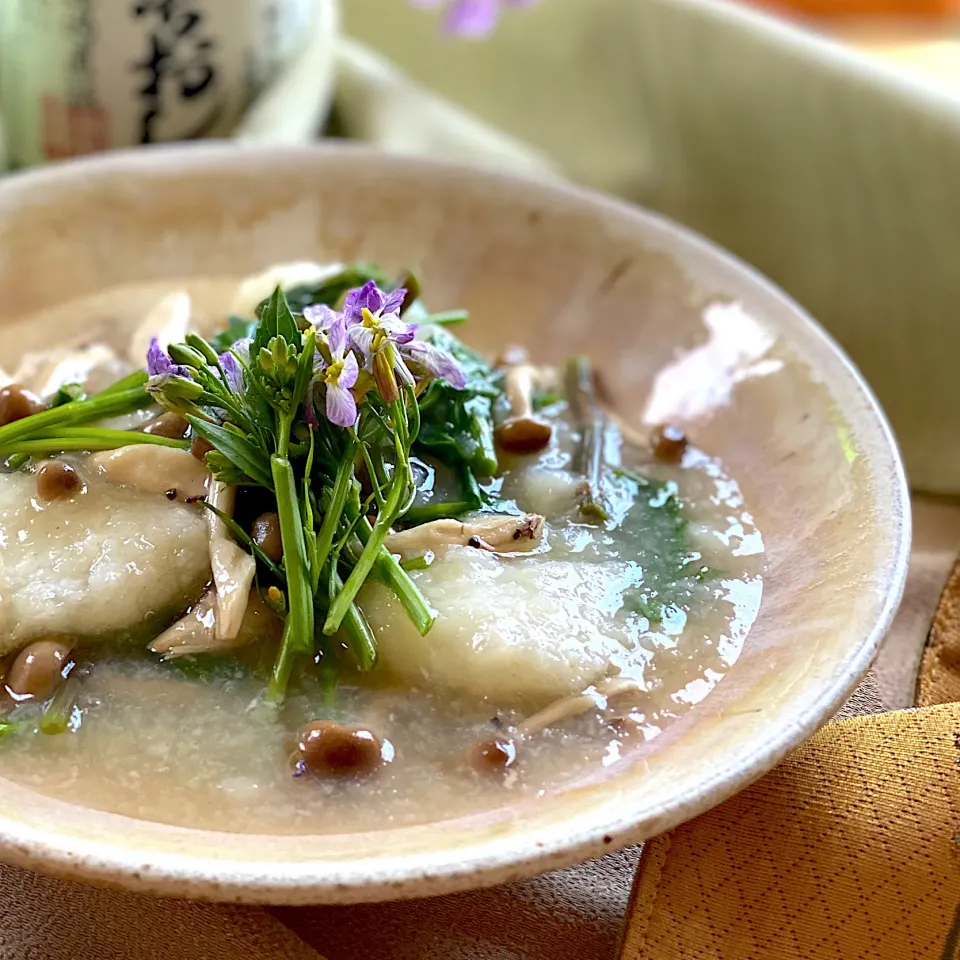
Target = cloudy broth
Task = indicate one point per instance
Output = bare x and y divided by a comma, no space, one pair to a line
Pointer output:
672,577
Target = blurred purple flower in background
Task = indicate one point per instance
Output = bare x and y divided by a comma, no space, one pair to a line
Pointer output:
472,18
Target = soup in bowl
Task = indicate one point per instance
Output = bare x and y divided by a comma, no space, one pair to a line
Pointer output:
372,527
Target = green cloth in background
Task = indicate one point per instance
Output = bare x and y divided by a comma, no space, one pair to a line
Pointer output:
835,177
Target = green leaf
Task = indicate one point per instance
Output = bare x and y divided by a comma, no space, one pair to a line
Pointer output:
304,369
276,320
457,425
237,328
247,457
67,394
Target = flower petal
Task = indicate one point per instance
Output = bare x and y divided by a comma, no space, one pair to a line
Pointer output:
321,316
242,348
362,339
394,300
436,362
233,372
160,365
397,330
403,372
338,337
341,407
350,372
368,296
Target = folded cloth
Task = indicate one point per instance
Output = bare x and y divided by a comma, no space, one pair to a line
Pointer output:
849,850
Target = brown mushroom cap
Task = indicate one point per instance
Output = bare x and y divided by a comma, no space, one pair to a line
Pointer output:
17,402
329,749
38,668
170,425
57,480
493,755
668,443
265,533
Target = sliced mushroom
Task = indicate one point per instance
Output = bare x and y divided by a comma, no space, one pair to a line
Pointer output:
168,321
167,470
196,632
233,568
258,287
568,707
498,533
522,432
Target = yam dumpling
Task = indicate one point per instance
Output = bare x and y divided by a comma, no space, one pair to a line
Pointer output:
516,632
108,561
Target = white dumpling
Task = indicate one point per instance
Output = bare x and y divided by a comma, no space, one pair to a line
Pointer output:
106,561
516,631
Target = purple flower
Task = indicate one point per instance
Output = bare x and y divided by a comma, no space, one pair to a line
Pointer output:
376,332
472,18
435,362
232,371
320,316
339,376
371,297
160,365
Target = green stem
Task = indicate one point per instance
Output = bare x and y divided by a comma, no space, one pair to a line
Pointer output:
589,415
372,474
136,379
389,571
90,440
283,665
283,439
56,718
357,633
338,499
436,511
484,462
76,412
243,537
446,318
299,626
395,496
88,443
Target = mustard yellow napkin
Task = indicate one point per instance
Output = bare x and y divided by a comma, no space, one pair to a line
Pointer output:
848,850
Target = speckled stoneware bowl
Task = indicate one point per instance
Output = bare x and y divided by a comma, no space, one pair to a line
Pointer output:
683,331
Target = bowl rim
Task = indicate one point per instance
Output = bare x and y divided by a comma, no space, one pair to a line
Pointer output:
491,860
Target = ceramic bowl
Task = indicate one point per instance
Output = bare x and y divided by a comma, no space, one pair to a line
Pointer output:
683,331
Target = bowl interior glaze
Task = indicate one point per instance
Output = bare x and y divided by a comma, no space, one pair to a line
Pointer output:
682,331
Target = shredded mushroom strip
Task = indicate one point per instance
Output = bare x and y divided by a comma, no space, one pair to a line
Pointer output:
233,568
569,707
496,534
